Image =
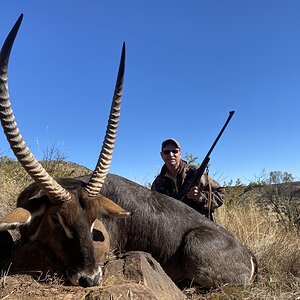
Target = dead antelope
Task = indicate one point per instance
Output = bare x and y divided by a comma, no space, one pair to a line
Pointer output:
61,217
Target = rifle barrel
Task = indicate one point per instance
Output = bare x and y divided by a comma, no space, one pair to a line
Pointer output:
197,176
220,133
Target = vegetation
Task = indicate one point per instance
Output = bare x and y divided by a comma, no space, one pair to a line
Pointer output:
276,194
262,214
13,178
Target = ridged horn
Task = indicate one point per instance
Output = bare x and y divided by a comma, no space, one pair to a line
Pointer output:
54,191
97,179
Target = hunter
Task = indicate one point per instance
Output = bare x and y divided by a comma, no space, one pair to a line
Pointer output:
176,173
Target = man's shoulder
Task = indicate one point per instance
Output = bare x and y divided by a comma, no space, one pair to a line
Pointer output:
155,184
157,178
191,168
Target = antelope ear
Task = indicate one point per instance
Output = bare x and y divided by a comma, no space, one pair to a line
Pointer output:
16,218
108,208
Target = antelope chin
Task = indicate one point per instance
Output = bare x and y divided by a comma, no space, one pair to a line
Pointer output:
87,280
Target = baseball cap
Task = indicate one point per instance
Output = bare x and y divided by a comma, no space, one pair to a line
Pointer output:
169,141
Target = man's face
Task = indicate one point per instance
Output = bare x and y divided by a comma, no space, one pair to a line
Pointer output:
171,155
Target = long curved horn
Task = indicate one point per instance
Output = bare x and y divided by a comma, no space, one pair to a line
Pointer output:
96,181
15,139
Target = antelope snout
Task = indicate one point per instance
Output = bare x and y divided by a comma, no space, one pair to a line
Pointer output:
87,280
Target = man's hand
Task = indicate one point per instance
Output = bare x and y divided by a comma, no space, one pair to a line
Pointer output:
196,195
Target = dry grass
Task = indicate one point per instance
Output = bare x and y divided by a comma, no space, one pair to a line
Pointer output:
13,178
24,287
277,251
12,181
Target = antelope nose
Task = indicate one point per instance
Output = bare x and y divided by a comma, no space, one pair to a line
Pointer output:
85,281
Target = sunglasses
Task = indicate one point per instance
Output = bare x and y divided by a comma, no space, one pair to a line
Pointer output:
166,152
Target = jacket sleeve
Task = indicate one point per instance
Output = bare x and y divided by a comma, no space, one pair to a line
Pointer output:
209,185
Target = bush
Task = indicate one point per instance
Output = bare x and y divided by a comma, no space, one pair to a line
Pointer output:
276,194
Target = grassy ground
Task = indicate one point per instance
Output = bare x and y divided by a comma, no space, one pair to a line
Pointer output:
276,248
277,251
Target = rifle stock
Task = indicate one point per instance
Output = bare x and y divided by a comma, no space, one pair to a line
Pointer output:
195,180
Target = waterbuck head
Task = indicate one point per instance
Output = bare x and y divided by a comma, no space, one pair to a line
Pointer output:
60,215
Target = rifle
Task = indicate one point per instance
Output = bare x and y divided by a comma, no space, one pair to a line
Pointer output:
194,181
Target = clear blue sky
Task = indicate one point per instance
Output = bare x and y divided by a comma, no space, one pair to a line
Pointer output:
188,64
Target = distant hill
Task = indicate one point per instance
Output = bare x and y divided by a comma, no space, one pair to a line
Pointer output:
281,200
13,178
260,193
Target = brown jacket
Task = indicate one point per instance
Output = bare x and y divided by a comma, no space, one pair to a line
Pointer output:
165,184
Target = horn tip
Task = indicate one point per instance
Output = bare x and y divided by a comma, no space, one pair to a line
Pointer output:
20,19
126,213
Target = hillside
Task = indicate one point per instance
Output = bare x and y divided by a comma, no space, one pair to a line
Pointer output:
282,200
